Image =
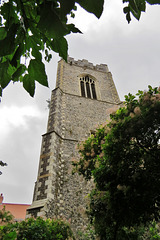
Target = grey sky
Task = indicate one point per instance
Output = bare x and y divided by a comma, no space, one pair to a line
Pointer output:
132,52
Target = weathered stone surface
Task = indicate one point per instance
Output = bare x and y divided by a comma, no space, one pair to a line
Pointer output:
72,117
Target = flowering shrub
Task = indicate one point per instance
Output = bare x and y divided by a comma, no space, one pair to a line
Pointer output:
123,158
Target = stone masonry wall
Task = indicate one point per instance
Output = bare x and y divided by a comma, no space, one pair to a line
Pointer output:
58,193
82,115
69,73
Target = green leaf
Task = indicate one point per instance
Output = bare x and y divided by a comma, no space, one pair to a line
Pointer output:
128,17
152,2
142,6
126,9
10,236
8,11
136,14
37,72
5,78
72,15
3,33
18,53
5,10
72,28
35,48
92,6
49,23
8,43
11,69
48,56
0,92
36,53
36,37
136,7
61,46
29,84
66,6
133,5
20,70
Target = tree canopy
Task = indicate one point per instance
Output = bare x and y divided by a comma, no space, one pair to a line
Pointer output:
30,28
123,158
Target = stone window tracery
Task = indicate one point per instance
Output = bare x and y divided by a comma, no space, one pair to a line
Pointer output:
88,89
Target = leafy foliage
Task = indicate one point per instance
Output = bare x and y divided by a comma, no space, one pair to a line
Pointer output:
136,7
29,28
32,29
152,231
5,216
123,157
33,229
88,234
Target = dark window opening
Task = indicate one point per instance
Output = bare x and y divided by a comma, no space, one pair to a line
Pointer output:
93,91
82,89
88,90
86,78
34,211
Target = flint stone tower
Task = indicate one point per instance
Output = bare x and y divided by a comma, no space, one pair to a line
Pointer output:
82,100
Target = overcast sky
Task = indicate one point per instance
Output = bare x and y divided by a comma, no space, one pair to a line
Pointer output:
132,53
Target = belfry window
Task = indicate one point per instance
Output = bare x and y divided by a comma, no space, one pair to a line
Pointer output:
88,87
82,89
93,90
88,90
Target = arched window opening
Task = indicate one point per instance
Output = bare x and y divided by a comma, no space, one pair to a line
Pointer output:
82,89
93,91
88,89
87,79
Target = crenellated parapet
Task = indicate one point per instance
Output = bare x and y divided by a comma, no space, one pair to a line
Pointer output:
85,64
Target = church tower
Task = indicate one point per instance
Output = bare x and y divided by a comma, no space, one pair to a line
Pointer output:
81,101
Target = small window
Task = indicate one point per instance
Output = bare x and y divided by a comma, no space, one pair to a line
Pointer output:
88,89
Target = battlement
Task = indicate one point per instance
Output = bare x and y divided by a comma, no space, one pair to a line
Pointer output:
84,63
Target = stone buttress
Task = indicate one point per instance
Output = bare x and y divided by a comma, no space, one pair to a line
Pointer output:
84,97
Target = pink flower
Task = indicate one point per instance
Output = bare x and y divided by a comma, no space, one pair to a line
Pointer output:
86,164
158,96
101,155
93,154
97,164
131,115
137,111
87,154
146,97
102,141
81,147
